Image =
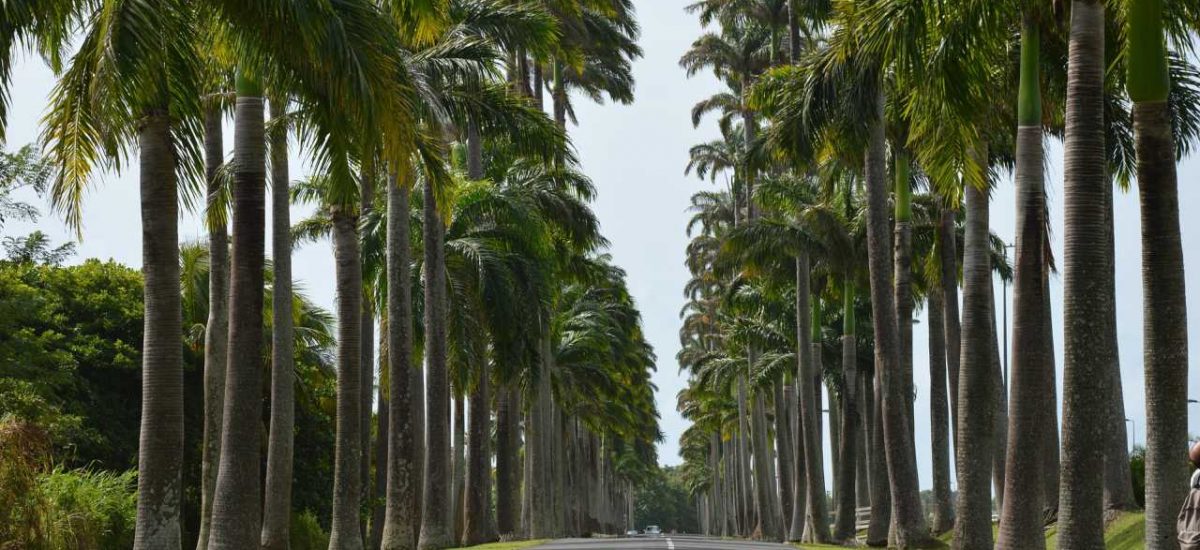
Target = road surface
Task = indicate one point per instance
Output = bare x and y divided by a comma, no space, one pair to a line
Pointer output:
663,542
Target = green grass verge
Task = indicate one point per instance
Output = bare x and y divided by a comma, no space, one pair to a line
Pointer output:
1127,532
513,545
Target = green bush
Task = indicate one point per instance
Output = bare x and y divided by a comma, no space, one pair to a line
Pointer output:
45,507
307,534
1137,471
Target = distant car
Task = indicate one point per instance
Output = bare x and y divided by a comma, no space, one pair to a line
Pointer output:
632,533
653,530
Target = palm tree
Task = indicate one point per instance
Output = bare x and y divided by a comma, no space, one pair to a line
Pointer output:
1085,378
156,87
1021,516
278,501
237,500
216,330
1164,302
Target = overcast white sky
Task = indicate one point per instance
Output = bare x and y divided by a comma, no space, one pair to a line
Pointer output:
636,155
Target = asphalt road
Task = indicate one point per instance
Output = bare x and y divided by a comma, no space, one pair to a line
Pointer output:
663,542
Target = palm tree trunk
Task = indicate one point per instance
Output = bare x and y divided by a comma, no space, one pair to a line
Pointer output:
477,528
1000,433
1118,481
862,479
808,323
1050,448
216,331
881,506
507,485
1021,515
1086,344
903,288
973,508
346,531
403,502
459,458
844,528
436,520
939,417
237,504
277,508
160,442
747,515
948,239
367,348
1164,289
418,418
379,504
902,467
783,447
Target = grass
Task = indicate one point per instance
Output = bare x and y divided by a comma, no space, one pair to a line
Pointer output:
1127,532
512,545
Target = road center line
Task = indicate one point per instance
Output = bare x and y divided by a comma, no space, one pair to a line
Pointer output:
670,545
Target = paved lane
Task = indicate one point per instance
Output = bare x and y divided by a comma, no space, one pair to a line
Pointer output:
664,542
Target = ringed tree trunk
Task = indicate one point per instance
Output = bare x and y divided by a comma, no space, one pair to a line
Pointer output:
403,504
844,528
366,345
808,326
277,507
1118,481
508,487
1050,447
435,519
948,238
909,521
216,330
457,484
237,505
783,448
1086,344
346,531
881,506
939,417
903,289
379,489
764,486
1164,325
1000,433
160,442
973,507
1021,514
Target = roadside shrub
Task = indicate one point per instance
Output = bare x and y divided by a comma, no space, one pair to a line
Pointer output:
307,533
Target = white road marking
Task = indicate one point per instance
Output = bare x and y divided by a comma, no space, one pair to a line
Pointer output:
670,545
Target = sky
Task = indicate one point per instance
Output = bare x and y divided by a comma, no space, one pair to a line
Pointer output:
636,155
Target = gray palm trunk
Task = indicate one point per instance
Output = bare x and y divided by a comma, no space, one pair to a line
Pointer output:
1021,514
1050,448
366,342
508,487
277,504
862,479
901,458
160,442
844,524
1118,481
904,308
435,519
379,489
881,502
1087,346
417,417
743,459
948,238
1000,432
402,495
237,503
216,330
810,413
478,527
346,530
973,507
764,483
459,460
784,449
1164,325
939,418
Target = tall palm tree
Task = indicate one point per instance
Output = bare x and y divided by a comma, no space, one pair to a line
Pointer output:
216,329
236,505
1021,516
1164,303
148,100
278,499
1085,378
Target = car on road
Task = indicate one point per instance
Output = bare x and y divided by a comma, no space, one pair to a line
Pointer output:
653,530
632,533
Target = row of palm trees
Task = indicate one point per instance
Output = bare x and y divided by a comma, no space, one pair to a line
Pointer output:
860,144
488,286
